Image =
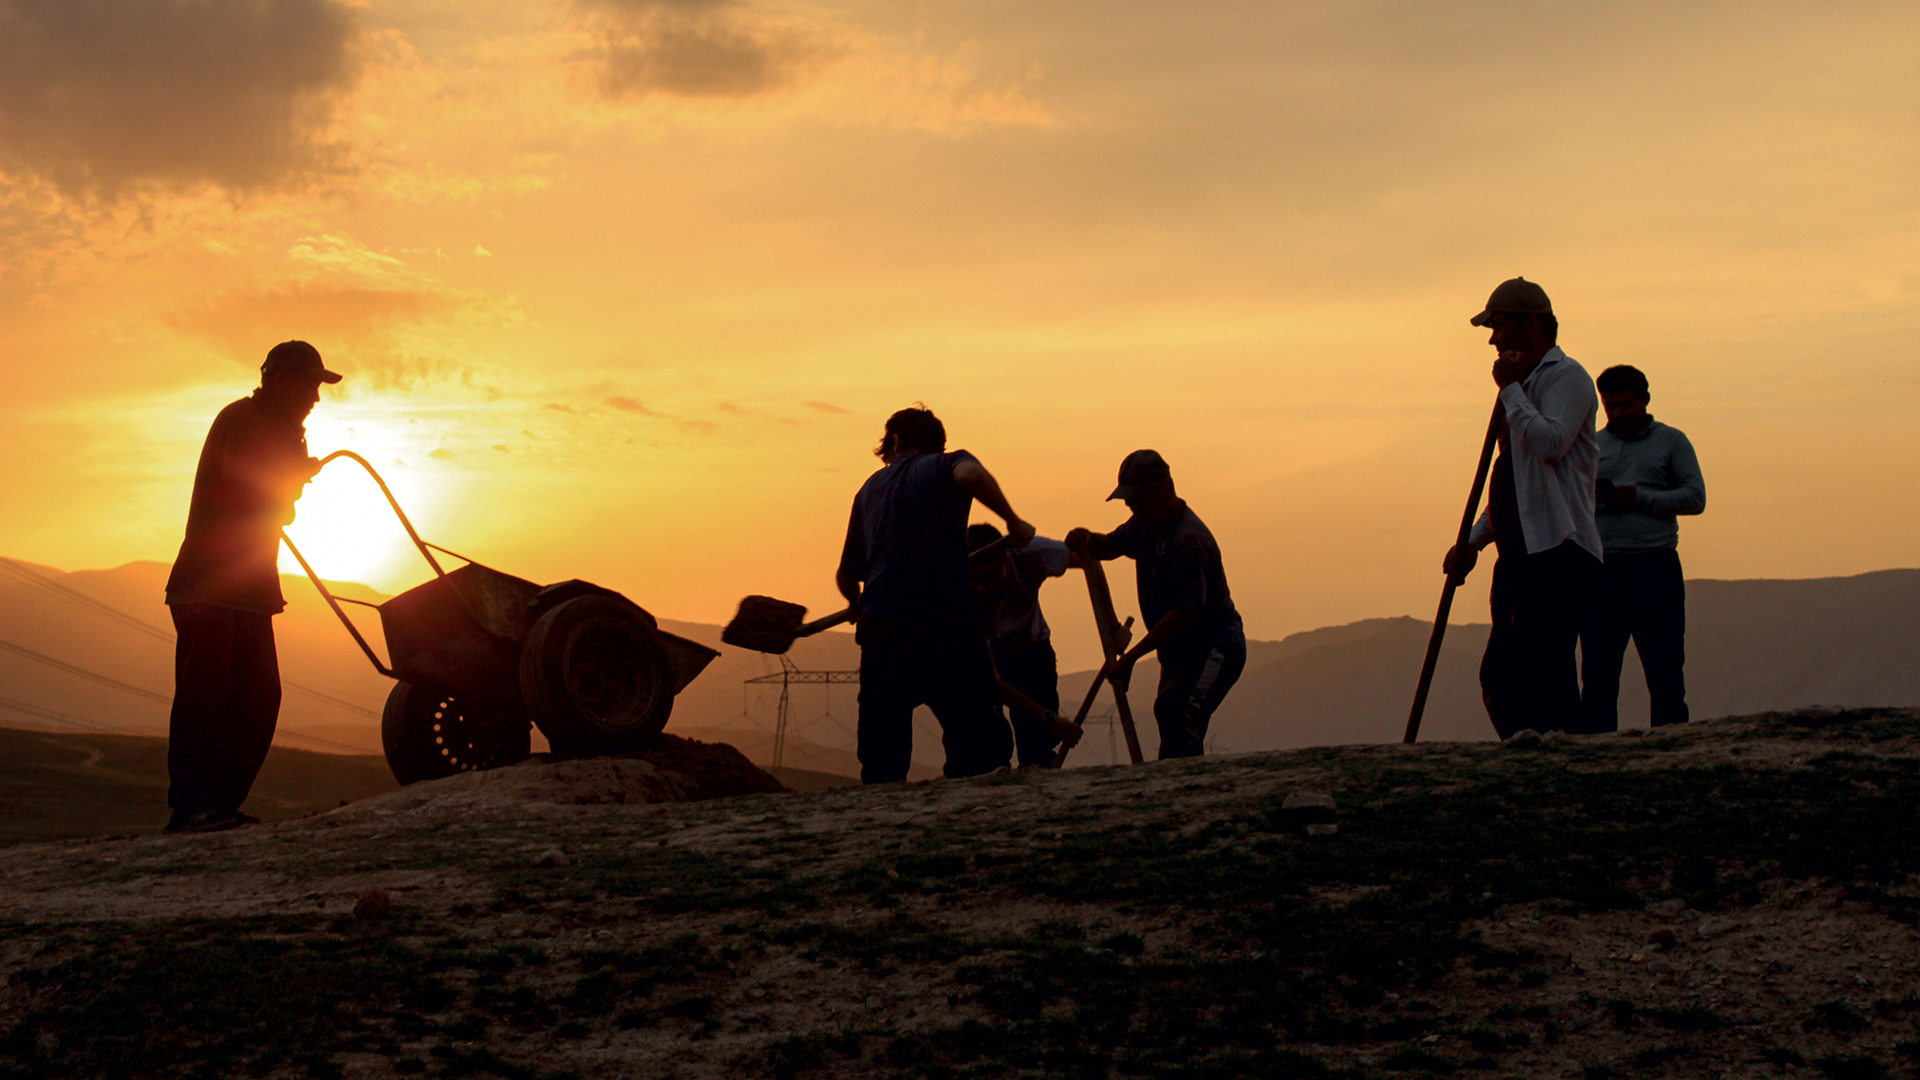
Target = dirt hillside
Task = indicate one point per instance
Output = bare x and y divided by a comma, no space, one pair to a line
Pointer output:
1736,898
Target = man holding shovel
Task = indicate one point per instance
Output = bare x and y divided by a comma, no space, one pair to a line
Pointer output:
225,590
1190,617
903,570
1540,516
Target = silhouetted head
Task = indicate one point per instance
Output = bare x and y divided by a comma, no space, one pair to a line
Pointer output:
290,379
988,573
912,430
1624,394
1146,485
1521,318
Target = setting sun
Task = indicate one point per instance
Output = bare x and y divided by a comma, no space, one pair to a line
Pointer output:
344,525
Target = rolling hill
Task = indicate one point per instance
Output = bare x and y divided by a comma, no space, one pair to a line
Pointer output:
1754,645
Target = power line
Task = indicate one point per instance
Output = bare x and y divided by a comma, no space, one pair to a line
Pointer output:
83,673
75,596
58,718
82,475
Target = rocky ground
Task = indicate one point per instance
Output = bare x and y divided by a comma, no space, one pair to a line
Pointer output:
1735,898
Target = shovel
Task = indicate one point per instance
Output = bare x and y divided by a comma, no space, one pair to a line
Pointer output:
766,625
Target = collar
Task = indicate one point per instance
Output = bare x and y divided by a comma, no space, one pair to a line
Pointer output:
1553,356
1651,424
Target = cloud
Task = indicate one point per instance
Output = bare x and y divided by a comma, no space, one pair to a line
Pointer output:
555,406
826,407
695,49
249,323
627,404
101,95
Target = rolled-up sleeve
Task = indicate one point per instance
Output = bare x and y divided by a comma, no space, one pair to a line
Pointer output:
1548,431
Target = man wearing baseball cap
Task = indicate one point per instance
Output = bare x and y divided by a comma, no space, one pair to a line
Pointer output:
1539,515
225,590
1190,617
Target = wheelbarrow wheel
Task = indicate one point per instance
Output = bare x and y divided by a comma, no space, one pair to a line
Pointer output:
595,678
430,733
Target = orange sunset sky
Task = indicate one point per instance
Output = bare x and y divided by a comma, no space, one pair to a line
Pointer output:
624,288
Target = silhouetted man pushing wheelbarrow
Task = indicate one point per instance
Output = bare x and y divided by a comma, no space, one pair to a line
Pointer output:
225,590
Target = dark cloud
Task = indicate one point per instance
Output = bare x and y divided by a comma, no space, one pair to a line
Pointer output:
693,48
101,95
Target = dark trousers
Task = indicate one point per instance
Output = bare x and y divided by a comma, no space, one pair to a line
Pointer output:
945,665
1528,678
1643,597
1192,685
1034,671
226,701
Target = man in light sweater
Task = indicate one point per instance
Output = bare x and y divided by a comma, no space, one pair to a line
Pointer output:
1649,476
1540,514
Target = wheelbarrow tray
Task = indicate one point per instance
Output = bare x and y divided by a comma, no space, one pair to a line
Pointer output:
463,632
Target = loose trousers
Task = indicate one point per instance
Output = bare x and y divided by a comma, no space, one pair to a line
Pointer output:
226,703
1642,597
944,664
1528,677
1192,686
1034,671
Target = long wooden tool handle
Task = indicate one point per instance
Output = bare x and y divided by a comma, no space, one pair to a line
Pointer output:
1113,641
1126,724
1446,593
824,623
1086,706
1086,703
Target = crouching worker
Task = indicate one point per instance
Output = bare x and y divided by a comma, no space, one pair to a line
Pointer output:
1191,620
903,571
225,590
1006,594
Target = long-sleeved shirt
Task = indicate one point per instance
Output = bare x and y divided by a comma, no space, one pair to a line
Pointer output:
1661,468
1555,456
251,470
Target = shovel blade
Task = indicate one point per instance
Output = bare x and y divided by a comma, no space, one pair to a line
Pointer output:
764,624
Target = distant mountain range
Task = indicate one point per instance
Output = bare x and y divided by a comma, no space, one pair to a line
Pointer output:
1753,646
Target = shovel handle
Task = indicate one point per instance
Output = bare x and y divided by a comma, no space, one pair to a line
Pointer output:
1432,659
824,623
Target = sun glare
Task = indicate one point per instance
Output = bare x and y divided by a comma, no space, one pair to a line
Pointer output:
343,525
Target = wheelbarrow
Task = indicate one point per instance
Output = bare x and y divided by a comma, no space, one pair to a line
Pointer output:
480,657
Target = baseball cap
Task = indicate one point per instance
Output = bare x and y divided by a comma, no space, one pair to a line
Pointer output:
1141,469
1516,297
297,357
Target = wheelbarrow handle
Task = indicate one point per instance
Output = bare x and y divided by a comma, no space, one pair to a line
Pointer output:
334,603
425,548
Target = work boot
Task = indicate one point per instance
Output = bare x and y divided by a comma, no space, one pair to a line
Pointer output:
205,821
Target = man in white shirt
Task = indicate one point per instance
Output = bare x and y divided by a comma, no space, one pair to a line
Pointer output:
1539,514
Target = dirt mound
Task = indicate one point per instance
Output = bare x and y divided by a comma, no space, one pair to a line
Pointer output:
672,770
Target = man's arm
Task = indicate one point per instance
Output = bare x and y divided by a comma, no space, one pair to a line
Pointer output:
853,561
1460,560
976,481
1567,405
1063,727
1170,625
1689,497
1087,544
